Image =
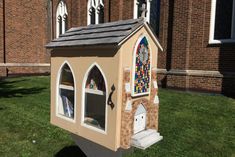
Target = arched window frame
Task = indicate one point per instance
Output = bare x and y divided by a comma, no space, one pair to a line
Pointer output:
135,14
61,12
83,100
96,4
58,93
134,64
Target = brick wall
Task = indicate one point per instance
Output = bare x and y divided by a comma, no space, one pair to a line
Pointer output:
184,34
26,34
211,84
128,7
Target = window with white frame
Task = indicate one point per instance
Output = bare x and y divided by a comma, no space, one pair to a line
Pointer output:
61,18
95,12
142,9
94,102
222,21
141,75
65,103
150,10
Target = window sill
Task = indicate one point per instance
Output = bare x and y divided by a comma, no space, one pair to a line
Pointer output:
59,115
223,41
94,128
66,87
94,91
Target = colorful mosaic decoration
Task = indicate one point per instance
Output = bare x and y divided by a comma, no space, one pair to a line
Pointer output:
142,68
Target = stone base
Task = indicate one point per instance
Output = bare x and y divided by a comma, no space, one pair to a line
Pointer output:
92,149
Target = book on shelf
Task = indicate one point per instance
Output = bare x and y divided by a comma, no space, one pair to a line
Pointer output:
68,107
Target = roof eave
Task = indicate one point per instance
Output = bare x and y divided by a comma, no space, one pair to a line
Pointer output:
128,36
146,25
83,46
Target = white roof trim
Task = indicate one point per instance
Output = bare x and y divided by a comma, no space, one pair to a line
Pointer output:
148,30
153,36
126,38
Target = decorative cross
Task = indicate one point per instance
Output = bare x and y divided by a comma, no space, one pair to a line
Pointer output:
143,10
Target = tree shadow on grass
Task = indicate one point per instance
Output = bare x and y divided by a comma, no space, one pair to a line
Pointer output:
70,151
8,89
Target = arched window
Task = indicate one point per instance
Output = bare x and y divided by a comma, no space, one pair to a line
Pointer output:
142,9
95,99
61,18
101,13
141,68
92,15
95,12
65,103
65,22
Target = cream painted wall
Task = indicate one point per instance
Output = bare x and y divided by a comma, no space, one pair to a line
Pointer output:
127,53
80,65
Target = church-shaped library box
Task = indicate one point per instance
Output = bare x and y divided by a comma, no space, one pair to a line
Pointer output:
104,86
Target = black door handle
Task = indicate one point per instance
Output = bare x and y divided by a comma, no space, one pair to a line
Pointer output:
110,102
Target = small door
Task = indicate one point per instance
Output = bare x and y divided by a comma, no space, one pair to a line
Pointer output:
140,119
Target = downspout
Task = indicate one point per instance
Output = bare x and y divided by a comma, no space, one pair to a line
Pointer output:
109,11
52,20
70,24
4,36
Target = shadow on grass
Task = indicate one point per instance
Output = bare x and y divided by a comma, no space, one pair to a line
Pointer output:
8,89
70,151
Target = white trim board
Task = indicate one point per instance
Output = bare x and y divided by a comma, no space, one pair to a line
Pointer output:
148,30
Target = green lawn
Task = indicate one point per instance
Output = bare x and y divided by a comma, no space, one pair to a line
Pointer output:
192,124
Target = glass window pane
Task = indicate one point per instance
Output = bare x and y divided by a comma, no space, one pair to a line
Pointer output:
67,76
155,16
101,14
95,80
65,22
95,110
67,97
92,15
66,93
140,5
95,99
223,19
60,24
142,68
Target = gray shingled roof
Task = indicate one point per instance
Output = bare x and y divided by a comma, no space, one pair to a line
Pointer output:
101,34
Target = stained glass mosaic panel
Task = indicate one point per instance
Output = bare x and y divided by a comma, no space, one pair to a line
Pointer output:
142,68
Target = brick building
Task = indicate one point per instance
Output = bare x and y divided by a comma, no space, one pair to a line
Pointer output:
197,36
24,30
198,39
